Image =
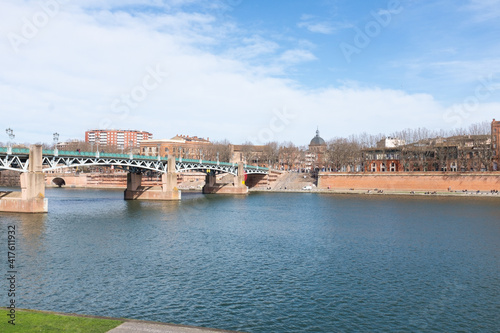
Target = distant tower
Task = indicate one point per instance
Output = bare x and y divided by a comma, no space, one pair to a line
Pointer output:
318,147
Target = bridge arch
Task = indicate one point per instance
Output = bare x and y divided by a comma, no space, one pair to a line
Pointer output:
205,169
58,181
74,165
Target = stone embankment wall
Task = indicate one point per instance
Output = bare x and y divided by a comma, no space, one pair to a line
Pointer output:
189,180
10,178
411,181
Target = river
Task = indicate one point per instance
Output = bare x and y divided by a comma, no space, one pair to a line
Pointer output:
268,262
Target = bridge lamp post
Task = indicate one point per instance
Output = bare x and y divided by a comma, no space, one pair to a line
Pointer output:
10,133
97,139
217,158
130,143
257,163
158,151
200,156
56,140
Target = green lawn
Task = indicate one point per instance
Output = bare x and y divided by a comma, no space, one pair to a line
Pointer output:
32,321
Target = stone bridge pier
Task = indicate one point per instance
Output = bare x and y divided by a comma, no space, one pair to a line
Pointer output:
237,187
167,191
31,199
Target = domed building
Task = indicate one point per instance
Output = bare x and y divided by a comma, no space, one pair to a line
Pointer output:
317,143
317,149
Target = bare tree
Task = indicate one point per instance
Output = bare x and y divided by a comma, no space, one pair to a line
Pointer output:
289,154
247,152
271,153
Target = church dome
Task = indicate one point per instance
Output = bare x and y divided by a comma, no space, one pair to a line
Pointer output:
317,140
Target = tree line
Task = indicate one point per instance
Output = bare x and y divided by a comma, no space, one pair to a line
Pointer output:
348,153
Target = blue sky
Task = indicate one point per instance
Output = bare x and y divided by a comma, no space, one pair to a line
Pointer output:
247,70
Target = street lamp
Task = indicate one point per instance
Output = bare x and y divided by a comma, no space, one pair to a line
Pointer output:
217,158
56,140
130,143
97,139
158,150
10,133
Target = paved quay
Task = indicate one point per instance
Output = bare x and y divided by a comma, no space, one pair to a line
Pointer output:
154,327
138,326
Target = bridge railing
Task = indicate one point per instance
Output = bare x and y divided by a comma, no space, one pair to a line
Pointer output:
219,163
18,151
75,153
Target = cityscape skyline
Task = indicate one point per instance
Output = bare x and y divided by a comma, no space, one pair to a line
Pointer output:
247,70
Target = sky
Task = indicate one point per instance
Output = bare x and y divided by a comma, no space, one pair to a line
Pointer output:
246,70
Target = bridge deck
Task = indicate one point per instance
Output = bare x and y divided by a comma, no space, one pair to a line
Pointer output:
24,153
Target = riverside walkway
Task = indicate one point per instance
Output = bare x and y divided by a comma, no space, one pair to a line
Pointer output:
153,327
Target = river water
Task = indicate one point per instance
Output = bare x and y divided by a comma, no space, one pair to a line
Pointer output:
270,262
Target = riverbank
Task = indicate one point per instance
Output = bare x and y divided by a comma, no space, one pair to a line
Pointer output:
432,182
26,320
480,194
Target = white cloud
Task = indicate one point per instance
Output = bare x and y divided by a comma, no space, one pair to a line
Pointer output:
67,78
484,10
320,27
315,25
296,56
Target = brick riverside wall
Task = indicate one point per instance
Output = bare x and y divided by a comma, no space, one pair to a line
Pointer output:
114,180
10,178
411,181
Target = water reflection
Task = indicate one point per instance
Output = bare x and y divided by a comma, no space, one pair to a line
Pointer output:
32,228
266,262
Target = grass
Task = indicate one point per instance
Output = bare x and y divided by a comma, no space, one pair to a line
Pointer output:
34,321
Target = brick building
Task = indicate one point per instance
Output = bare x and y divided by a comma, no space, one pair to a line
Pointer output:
385,157
248,154
179,146
495,144
456,153
120,138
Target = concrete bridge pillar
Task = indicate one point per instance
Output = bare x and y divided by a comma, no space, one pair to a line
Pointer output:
239,180
167,191
32,198
210,179
169,179
238,186
134,181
